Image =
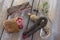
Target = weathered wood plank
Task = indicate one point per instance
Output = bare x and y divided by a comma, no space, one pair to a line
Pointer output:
1,5
29,21
51,16
16,36
35,4
36,35
26,20
3,13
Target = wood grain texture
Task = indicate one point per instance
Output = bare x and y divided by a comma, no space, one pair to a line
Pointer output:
1,5
36,36
51,15
56,24
16,36
3,12
29,21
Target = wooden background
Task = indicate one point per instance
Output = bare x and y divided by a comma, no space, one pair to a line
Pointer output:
53,15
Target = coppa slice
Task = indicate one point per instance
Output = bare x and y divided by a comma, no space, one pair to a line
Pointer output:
11,25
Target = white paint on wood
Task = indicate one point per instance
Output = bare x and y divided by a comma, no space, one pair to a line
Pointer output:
16,36
52,8
3,13
18,2
56,24
51,15
36,36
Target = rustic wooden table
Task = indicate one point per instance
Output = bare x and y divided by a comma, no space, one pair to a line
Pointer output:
27,22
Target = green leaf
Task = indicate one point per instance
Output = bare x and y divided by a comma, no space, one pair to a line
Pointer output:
45,4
